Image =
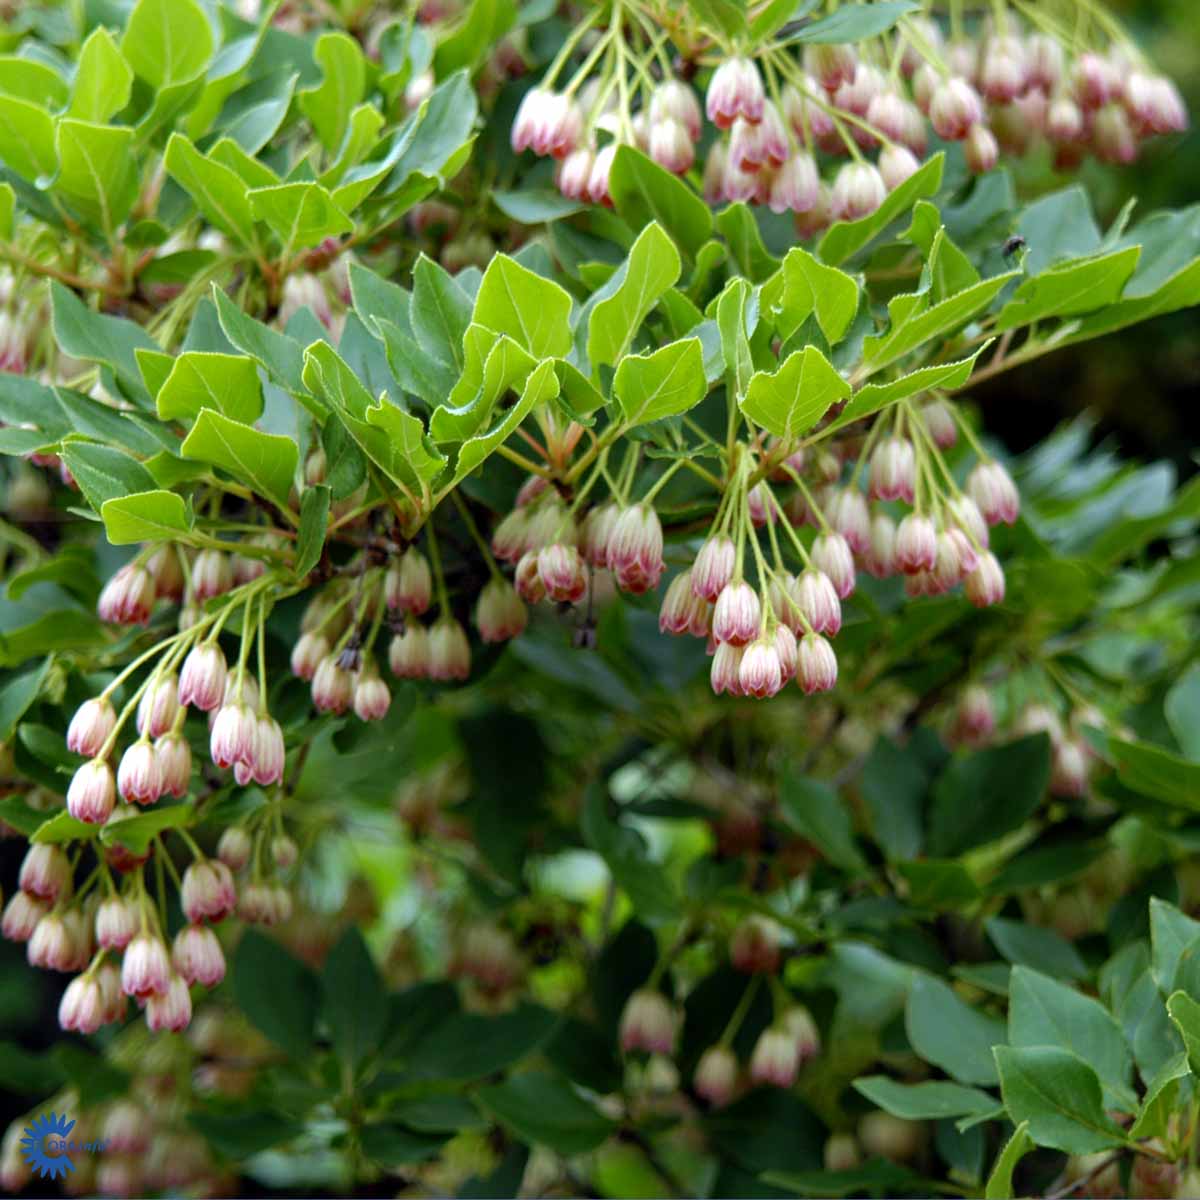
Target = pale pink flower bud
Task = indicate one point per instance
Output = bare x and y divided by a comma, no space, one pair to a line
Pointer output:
947,569
760,672
562,572
817,599
799,1023
597,189
1038,718
1064,121
648,1023
212,575
310,648
408,653
954,108
174,756
893,472
21,916
925,83
371,697
171,1009
974,719
284,852
962,57
725,672
796,186
158,706
816,664
880,557
547,123
818,218
831,65
887,112
716,1075
574,173
738,614
45,872
714,565
754,946
1113,138
831,553
1094,81
202,679
916,544
92,792
985,584
51,945
671,147
775,1060
126,1129
757,144
847,512
333,685
82,1007
968,555
145,968
93,721
596,533
939,421
208,892
127,597
735,90
530,115
116,923
981,149
196,956
234,732
449,650
1069,768
1154,104
500,615
233,850
858,191
786,650
511,537
896,164
992,489
678,605
488,956
409,586
712,186
674,99
762,504
1003,73
635,549
1044,61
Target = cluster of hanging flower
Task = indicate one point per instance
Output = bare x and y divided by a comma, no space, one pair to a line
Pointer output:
781,139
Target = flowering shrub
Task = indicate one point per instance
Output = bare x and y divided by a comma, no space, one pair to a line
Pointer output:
354,453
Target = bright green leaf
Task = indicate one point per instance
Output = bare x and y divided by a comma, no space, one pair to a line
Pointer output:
226,383
794,398
533,311
642,192
265,462
103,79
328,106
167,41
664,383
145,517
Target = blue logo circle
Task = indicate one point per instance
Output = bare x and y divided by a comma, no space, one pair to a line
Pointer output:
53,1128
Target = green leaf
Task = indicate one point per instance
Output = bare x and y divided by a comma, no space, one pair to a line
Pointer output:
329,105
439,312
664,383
226,383
894,783
731,308
947,269
1157,773
1081,286
913,323
983,796
1000,1184
217,191
137,832
32,80
1059,1096
854,22
540,387
794,398
314,518
103,79
100,338
810,286
393,1145
27,139
624,302
494,365
1033,946
276,992
815,811
63,828
534,206
17,696
1182,710
1057,227
354,1002
545,1110
1161,1098
738,226
948,1032
1044,1012
145,517
167,41
8,204
467,45
15,812
642,192
104,473
299,214
471,1046
727,17
925,1101
266,462
242,1134
1172,935
845,238
423,374
939,883
533,311
279,355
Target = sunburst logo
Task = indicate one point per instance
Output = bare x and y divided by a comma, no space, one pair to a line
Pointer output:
45,1145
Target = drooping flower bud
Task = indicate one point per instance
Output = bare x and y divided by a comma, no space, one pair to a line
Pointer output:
831,554
1113,138
1094,81
796,186
1154,104
45,872
648,1023
840,1152
202,679
974,719
847,512
713,568
725,671
598,190
82,1008
408,652
574,172
831,65
371,696
92,792
499,614
916,544
1044,61
671,147
716,1075
547,123
675,99
212,575
799,1023
761,144
116,923
410,586
880,557
817,599
775,1060
174,756
954,108
737,617
939,421
754,947
234,734
735,90
197,957
857,192
333,685
310,648
981,149
678,605
816,664
127,597
21,916
171,1009
510,538
449,650
562,572
787,650
635,549
91,725
896,164
760,672
985,584
158,706
145,967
